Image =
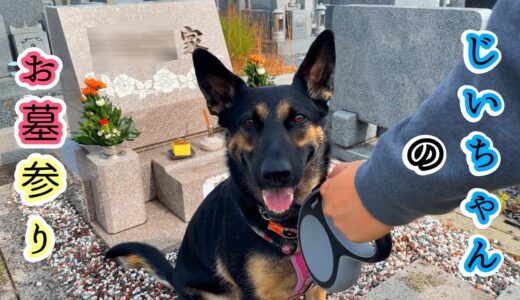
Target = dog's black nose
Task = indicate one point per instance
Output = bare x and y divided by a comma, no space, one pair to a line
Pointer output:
276,173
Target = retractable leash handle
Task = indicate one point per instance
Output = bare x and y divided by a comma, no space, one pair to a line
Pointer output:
333,261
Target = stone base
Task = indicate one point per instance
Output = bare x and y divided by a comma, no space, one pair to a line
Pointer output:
181,184
361,151
422,281
294,47
162,230
348,131
11,91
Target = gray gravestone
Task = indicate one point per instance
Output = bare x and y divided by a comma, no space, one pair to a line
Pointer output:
390,59
117,1
372,2
27,37
299,20
412,3
19,12
418,3
457,3
5,50
481,3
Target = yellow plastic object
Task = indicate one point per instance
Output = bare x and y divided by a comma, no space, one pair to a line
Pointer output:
181,148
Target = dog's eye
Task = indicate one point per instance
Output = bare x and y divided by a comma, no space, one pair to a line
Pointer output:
249,123
299,118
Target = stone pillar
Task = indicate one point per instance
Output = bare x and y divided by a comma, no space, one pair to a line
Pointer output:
319,16
117,190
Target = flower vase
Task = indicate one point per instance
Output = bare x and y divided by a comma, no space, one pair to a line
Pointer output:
113,151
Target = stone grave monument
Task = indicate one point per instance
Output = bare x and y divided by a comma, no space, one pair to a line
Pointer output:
143,53
332,4
25,24
390,59
5,50
290,26
19,12
27,37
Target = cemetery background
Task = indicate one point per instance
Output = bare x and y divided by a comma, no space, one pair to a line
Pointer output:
96,210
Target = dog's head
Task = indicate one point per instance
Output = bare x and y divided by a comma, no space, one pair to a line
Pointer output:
276,141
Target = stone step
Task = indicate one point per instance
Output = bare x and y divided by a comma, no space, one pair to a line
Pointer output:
162,230
181,185
356,152
159,153
422,281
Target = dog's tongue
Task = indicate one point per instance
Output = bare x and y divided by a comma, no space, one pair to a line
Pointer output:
278,200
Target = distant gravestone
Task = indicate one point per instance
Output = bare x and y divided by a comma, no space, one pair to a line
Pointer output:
27,37
414,3
372,2
117,1
481,3
47,2
143,52
19,12
456,3
390,59
5,50
332,4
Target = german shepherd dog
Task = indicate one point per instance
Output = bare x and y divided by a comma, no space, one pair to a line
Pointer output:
239,241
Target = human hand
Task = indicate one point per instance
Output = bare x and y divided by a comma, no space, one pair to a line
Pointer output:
343,205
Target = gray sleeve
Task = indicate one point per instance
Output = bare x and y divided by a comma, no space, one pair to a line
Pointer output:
396,195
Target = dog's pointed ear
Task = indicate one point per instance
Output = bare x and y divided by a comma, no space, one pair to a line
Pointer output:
316,73
218,85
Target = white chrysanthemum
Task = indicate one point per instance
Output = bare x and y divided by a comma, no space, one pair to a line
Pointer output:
260,71
107,136
100,102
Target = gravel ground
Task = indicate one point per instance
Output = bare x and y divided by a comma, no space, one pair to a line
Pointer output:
83,272
513,191
7,113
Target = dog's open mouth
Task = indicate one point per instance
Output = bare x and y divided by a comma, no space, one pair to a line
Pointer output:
278,200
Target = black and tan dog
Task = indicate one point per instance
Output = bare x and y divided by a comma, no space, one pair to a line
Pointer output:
239,241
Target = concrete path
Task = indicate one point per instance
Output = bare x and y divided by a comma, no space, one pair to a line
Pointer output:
506,236
422,281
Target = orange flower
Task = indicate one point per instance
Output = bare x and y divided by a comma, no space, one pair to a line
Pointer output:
257,59
94,83
88,91
82,99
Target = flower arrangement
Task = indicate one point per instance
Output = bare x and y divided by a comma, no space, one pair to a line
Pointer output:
257,76
103,123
